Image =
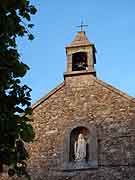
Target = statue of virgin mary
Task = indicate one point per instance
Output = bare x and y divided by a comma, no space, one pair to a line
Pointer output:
80,148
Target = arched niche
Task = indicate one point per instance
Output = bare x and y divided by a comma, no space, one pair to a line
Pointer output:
90,135
73,139
79,61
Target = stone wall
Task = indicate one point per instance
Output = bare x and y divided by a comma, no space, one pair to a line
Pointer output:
84,100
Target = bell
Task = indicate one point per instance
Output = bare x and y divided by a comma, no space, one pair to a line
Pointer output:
81,66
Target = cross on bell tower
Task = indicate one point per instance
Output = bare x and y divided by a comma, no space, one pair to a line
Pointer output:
82,26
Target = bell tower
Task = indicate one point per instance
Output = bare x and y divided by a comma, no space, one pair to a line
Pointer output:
80,56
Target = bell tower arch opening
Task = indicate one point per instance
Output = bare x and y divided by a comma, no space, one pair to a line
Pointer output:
79,61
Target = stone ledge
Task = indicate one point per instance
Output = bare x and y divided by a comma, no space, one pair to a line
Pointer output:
77,166
77,73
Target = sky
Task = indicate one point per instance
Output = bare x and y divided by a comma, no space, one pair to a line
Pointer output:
111,27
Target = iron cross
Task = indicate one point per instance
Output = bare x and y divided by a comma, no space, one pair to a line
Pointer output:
82,26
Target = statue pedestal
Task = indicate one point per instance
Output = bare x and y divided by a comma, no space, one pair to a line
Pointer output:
79,165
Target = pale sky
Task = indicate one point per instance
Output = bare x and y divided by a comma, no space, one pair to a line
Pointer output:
111,27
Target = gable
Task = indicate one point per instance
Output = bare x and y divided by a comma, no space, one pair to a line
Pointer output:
96,82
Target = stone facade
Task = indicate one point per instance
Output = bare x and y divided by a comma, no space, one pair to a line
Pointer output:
84,100
83,103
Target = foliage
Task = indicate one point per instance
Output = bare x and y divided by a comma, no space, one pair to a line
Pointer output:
15,129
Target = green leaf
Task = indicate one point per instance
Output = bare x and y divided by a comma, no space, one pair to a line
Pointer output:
27,16
28,111
20,69
27,134
19,110
33,10
30,37
18,81
30,25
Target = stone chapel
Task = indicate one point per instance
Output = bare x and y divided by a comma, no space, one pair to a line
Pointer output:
85,128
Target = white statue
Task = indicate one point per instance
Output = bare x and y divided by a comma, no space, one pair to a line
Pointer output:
80,148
